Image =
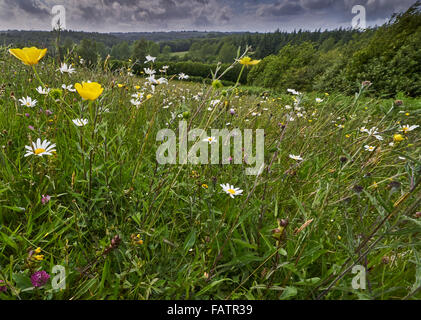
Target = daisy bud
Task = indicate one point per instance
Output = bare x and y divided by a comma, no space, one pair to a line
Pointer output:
385,260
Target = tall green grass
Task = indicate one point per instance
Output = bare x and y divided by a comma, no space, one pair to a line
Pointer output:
198,243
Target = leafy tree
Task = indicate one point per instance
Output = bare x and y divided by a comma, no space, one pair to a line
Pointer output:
87,49
227,53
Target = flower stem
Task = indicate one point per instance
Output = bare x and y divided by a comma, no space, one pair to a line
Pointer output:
38,77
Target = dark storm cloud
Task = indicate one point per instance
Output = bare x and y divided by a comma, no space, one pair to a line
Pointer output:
325,14
149,15
28,6
280,8
317,4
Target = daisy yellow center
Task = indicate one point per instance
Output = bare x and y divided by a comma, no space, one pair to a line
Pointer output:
232,191
405,129
371,148
39,151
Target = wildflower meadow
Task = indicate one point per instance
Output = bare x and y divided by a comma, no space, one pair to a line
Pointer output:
115,185
81,188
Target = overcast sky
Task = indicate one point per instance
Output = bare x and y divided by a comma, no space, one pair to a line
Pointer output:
210,15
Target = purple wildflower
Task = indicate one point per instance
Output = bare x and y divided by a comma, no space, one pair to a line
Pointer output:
39,278
3,288
45,199
31,128
27,115
48,112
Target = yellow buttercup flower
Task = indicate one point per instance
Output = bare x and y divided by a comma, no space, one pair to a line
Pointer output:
247,61
29,56
39,257
89,90
398,138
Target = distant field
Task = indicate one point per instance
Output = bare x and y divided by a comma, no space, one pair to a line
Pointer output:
179,54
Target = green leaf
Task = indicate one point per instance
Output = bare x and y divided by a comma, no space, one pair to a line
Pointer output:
289,292
22,281
190,240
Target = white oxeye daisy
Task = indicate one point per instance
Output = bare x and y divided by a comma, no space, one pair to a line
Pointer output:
210,140
296,158
408,128
40,148
150,59
183,76
66,68
215,102
369,148
231,190
138,95
80,122
164,69
28,102
149,71
151,79
42,90
318,100
162,80
372,132
136,102
68,88
294,92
